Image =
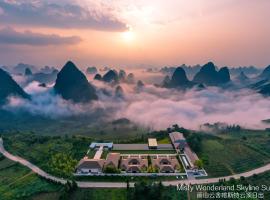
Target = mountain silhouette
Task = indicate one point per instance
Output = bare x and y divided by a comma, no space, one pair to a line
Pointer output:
9,87
224,75
47,78
266,73
209,76
91,70
265,89
111,76
72,84
178,80
242,77
119,92
179,77
130,78
98,77
28,72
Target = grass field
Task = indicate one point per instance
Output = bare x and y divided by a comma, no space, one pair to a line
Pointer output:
105,194
99,194
165,140
18,182
91,153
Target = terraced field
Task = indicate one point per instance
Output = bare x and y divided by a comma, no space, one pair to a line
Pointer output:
18,182
231,154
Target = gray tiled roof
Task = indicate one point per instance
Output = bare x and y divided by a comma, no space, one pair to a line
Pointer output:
90,164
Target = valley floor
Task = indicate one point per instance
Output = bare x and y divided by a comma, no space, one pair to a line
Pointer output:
222,154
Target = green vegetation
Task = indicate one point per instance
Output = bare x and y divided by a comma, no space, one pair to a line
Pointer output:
56,155
199,164
147,191
63,164
91,126
98,194
142,191
104,154
111,170
161,136
255,180
165,140
225,154
194,141
70,187
152,169
123,178
91,153
221,154
18,182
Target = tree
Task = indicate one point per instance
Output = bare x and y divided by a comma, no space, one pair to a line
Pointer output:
199,164
111,169
175,126
69,187
149,191
152,169
179,168
194,141
62,164
128,186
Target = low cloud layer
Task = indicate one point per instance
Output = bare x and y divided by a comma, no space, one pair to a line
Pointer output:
58,14
11,36
160,108
45,102
156,108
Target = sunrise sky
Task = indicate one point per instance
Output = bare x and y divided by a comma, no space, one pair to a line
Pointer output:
129,33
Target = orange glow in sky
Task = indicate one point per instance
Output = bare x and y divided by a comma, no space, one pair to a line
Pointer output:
157,33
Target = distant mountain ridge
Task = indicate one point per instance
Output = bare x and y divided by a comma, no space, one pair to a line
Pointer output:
192,70
111,76
114,77
179,80
72,84
209,76
21,67
91,70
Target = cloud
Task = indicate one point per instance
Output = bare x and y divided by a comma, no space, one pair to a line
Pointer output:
63,14
43,102
34,88
160,108
11,36
153,107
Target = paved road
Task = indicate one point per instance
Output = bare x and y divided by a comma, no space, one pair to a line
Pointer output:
83,184
215,180
31,166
